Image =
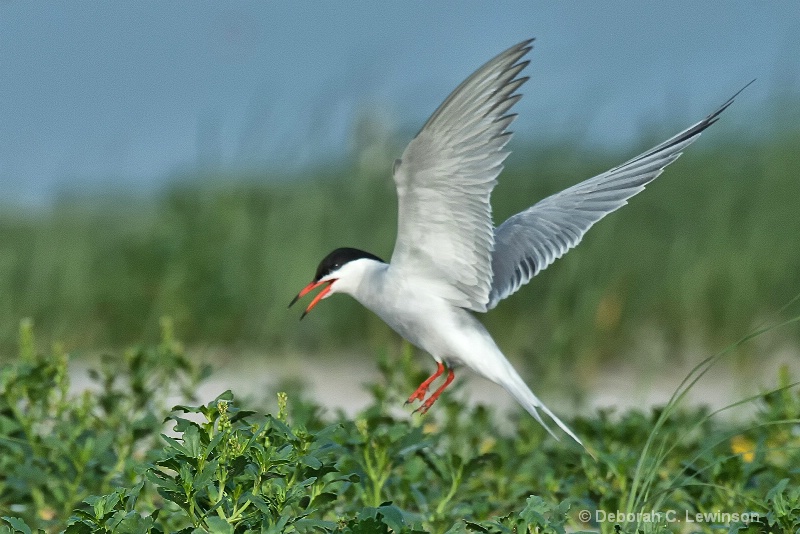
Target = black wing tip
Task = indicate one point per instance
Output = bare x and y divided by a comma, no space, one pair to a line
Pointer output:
526,45
518,51
520,66
713,117
737,93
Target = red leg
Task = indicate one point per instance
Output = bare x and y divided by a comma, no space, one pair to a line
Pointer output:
422,390
428,403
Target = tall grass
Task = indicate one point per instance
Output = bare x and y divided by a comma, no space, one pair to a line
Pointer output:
710,246
647,489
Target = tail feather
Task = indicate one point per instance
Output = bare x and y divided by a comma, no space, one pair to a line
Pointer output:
522,393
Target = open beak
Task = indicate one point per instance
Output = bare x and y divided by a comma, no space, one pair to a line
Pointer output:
310,287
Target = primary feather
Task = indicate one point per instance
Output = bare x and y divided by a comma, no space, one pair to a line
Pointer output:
531,240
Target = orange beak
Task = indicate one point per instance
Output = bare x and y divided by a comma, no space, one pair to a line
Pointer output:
310,287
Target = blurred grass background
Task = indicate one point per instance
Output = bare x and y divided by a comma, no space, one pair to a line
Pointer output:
707,251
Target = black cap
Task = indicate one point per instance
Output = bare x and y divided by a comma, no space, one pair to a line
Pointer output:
339,257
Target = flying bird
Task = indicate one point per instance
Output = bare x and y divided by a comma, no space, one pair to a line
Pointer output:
449,259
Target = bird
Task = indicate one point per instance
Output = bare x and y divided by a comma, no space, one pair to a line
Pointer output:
449,259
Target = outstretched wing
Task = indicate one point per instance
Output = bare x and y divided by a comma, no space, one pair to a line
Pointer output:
531,240
444,180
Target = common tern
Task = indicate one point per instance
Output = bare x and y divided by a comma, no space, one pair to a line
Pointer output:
449,259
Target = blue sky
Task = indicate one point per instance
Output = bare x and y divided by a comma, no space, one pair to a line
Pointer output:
99,94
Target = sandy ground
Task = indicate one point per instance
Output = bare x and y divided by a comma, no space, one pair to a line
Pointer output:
646,379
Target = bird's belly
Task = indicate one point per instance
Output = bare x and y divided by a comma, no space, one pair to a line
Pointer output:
437,328
415,327
415,310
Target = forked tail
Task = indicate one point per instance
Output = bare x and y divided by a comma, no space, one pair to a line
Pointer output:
522,393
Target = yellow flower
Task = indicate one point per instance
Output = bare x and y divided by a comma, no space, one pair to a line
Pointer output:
430,428
487,445
743,446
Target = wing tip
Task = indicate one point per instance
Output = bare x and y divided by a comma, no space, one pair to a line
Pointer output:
731,99
700,127
519,50
714,116
527,43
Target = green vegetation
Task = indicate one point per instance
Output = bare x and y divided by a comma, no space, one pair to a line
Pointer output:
96,462
710,250
703,254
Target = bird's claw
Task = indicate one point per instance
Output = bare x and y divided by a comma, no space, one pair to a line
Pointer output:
423,409
418,395
422,390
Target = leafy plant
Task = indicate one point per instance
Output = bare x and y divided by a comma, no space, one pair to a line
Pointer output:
56,448
223,467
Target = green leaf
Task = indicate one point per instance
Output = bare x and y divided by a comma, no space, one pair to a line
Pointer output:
217,525
18,524
191,442
316,525
368,525
207,474
213,443
430,462
80,527
160,479
324,498
174,444
241,414
773,493
392,516
310,461
226,395
102,505
186,409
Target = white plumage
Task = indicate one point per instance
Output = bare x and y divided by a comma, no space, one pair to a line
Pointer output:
449,259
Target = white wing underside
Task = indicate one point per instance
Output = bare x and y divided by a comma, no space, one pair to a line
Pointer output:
444,180
446,239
